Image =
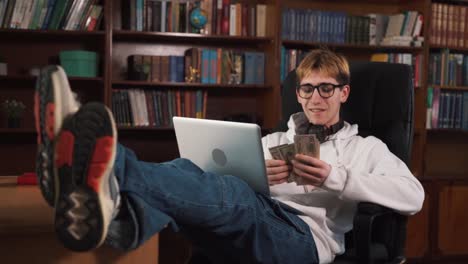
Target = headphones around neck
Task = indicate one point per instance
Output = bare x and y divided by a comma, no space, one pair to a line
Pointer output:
322,132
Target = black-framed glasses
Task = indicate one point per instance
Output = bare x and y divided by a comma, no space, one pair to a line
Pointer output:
325,90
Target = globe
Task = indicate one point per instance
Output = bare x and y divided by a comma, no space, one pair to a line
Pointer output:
198,18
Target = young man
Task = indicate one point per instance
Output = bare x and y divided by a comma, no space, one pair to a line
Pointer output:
102,192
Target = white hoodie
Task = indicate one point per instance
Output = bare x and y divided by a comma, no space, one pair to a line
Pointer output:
363,170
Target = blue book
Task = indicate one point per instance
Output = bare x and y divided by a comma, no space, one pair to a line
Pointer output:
343,27
260,67
48,15
213,66
465,70
249,67
464,116
459,110
284,24
292,24
180,60
446,109
301,25
205,66
139,15
199,104
172,68
320,26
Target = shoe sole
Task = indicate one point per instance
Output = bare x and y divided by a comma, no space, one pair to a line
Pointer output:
47,111
85,153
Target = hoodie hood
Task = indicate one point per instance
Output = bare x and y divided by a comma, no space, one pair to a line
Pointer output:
298,123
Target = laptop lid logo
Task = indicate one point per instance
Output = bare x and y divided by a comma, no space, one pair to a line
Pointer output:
219,157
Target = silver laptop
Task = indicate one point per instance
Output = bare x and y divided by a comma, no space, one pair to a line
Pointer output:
226,148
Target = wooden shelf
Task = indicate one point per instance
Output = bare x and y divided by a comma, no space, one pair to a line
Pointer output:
189,38
456,88
17,78
17,131
33,78
447,130
361,47
439,47
28,82
6,34
446,177
143,84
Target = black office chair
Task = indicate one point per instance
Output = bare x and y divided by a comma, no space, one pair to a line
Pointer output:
381,103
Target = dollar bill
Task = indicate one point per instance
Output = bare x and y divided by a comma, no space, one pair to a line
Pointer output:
307,145
275,153
288,152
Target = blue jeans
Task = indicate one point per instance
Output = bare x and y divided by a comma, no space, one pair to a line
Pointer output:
221,215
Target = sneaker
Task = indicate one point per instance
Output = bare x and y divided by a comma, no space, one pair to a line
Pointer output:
53,101
88,194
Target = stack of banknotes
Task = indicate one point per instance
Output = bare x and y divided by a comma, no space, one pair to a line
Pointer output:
303,144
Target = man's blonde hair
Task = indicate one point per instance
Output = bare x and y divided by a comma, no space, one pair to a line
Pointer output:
326,63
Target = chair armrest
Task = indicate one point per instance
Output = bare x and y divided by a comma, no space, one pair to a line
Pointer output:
375,224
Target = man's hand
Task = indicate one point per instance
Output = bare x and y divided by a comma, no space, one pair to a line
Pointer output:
277,171
310,170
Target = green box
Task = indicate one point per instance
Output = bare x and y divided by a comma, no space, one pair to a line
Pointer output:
79,63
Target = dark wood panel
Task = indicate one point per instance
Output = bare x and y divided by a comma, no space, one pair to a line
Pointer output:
453,216
417,151
417,244
26,222
158,146
446,154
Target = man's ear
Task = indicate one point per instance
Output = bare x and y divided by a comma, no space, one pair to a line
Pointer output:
297,97
345,93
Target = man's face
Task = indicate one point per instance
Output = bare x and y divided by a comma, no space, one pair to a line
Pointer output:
323,111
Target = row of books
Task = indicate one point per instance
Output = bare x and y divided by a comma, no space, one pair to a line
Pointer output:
51,14
403,29
290,59
448,25
416,62
224,17
150,108
449,69
447,109
200,65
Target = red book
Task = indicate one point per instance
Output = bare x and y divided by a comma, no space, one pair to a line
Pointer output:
245,20
225,21
219,16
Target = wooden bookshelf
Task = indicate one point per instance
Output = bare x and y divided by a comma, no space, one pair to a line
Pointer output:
433,150
49,35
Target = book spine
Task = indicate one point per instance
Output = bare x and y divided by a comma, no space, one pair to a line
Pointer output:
205,69
213,66
465,111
